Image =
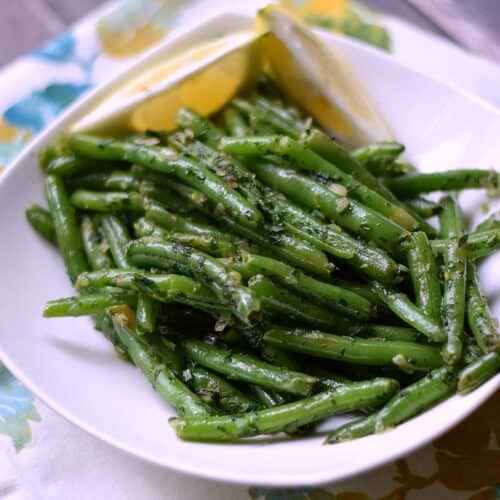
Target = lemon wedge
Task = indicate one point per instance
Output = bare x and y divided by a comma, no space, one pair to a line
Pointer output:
204,78
317,78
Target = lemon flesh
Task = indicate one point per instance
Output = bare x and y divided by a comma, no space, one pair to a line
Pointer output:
318,79
204,78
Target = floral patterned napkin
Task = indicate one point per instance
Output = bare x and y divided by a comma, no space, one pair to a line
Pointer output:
42,455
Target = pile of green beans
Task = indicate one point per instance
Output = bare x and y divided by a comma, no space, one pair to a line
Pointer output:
264,278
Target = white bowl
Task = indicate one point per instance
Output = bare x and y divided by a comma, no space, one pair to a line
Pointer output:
73,369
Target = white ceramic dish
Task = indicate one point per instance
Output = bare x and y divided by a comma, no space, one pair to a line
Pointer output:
74,370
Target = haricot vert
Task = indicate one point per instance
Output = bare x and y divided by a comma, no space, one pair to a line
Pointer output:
251,267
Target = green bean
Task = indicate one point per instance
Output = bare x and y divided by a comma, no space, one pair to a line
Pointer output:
345,212
450,219
362,289
96,255
233,337
423,207
47,154
423,225
214,390
342,399
291,253
276,122
294,250
186,169
169,220
162,287
243,337
323,145
259,126
344,301
404,168
231,170
331,151
371,351
389,332
282,245
491,222
453,302
279,357
402,307
212,244
424,276
407,403
117,237
98,259
455,273
206,131
478,372
66,227
41,221
472,352
146,314
116,180
328,237
210,271
177,288
377,149
355,429
279,300
289,114
478,244
248,369
329,380
143,227
104,324
168,199
482,323
155,263
83,305
380,157
166,350
111,201
267,397
372,262
152,179
319,142
259,194
383,167
161,376
67,165
418,397
307,159
409,186
235,123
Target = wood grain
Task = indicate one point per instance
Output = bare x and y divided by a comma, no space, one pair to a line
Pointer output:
404,10
71,10
26,24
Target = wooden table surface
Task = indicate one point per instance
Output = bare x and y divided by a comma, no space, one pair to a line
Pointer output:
25,24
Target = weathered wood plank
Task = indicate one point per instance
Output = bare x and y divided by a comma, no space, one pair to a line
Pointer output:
405,11
71,10
25,24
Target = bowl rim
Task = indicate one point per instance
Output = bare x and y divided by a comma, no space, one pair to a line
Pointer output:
323,477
